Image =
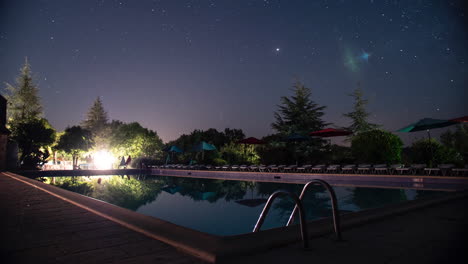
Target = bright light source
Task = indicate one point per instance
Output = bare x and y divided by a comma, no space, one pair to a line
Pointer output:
103,160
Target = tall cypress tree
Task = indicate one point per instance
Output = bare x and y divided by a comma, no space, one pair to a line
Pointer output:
96,119
298,113
24,103
359,115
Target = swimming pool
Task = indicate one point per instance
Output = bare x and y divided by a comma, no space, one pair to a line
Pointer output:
224,207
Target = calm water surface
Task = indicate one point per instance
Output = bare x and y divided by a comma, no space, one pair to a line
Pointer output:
223,207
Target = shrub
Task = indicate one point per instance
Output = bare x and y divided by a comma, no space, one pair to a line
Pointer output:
376,146
431,153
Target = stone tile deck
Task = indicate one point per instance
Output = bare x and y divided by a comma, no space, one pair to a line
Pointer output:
37,227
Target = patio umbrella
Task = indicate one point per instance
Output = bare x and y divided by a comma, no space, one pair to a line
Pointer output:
202,146
462,119
427,124
295,137
171,149
251,141
330,132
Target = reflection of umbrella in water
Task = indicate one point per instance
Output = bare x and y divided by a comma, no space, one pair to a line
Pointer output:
252,202
203,195
202,146
171,189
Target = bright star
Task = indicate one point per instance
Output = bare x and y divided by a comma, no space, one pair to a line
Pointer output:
365,56
277,49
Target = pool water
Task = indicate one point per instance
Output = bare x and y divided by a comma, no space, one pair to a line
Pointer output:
224,207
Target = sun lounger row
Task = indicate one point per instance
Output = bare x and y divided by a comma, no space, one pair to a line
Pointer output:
414,169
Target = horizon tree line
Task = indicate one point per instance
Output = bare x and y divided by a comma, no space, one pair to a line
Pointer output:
296,114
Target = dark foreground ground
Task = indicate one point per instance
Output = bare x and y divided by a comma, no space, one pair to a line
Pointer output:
36,227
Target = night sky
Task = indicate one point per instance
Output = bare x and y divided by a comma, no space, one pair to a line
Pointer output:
175,66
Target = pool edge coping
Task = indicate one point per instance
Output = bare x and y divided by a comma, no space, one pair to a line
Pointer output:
214,248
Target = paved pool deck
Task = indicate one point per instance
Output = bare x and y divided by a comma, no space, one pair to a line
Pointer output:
38,227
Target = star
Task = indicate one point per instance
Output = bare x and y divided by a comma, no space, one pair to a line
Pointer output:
277,49
365,56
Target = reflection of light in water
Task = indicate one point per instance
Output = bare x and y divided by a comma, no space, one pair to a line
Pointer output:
103,160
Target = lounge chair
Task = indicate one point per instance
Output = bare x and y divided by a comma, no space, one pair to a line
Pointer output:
243,167
318,168
442,168
262,168
350,168
460,171
234,167
290,168
333,168
364,168
252,168
381,169
281,167
304,168
417,168
225,167
272,168
394,167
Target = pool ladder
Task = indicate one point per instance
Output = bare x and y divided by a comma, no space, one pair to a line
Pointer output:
300,207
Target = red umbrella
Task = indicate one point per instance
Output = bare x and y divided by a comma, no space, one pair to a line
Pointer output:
251,141
460,119
330,132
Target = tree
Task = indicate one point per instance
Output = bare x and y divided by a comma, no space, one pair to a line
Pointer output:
33,137
96,119
135,140
75,141
298,113
359,115
23,99
377,146
457,140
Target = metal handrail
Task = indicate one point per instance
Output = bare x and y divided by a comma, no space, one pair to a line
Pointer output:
336,215
298,202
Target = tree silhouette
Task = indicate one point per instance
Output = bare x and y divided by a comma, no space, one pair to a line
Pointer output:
359,115
24,103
